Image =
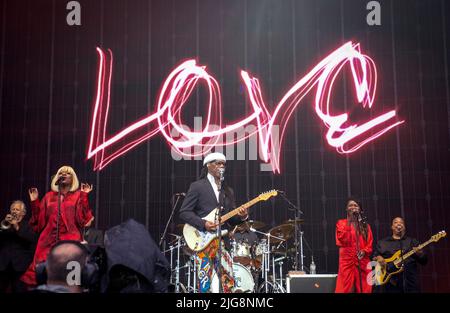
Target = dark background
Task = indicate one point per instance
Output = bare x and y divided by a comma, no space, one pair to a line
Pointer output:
47,87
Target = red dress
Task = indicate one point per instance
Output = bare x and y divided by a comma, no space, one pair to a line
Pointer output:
348,275
75,213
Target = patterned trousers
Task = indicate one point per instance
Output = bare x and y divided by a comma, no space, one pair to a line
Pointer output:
207,265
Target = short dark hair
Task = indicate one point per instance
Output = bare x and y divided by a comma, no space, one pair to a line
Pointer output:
396,218
59,257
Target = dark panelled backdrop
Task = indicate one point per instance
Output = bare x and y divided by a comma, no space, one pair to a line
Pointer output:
47,88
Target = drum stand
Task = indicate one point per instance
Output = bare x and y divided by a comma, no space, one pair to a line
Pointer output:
192,263
171,262
302,256
171,247
297,230
177,264
265,267
302,267
278,286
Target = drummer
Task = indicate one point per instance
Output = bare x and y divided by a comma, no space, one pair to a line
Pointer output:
242,233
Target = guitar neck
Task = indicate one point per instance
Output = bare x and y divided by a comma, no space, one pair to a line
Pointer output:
420,247
230,214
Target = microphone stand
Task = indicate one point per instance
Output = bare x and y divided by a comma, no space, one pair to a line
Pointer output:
219,230
297,228
58,214
170,218
360,220
359,263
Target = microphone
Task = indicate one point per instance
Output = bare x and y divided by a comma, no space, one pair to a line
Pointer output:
361,217
222,173
59,180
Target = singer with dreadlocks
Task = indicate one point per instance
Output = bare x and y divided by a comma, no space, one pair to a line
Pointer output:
203,196
354,239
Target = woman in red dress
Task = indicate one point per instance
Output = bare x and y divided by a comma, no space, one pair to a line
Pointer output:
354,239
75,214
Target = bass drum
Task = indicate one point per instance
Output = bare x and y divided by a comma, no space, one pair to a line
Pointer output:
243,280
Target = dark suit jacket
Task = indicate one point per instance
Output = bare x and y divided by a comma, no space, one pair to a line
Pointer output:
17,247
200,200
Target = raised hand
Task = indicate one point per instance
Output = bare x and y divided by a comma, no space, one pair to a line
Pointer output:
86,187
34,193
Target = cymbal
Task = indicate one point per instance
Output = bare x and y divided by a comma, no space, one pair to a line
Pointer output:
283,231
174,238
242,227
183,247
246,225
256,224
297,221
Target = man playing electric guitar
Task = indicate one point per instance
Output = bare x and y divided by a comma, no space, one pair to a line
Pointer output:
407,280
202,198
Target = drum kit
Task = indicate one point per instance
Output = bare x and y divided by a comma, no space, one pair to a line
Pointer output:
259,262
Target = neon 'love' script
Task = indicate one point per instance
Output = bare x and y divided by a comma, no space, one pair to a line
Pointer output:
344,135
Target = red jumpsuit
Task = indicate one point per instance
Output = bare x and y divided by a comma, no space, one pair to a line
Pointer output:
75,213
348,275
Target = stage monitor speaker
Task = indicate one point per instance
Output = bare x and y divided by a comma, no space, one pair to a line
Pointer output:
303,283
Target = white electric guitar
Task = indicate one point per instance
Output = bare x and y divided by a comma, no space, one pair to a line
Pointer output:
198,240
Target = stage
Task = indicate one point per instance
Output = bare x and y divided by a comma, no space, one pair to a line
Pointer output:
311,102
